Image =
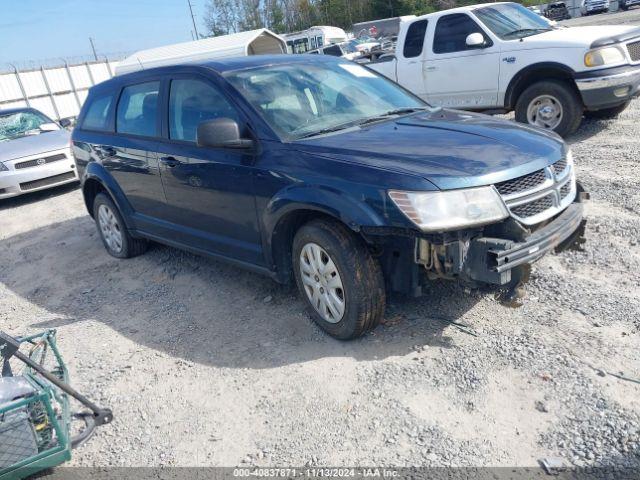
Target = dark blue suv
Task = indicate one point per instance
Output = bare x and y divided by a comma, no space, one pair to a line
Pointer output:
316,168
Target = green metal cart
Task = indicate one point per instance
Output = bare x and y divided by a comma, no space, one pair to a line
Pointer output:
35,414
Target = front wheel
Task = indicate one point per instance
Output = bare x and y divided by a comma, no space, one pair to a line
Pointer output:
338,278
605,113
552,105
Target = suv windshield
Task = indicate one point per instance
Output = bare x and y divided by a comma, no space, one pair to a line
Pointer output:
512,21
304,99
20,124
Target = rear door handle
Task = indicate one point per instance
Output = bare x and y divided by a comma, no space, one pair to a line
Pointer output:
170,162
430,69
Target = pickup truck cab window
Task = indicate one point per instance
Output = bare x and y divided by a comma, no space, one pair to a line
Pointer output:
452,32
191,102
137,112
304,100
510,22
415,39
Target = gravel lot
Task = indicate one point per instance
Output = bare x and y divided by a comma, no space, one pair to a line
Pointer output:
205,364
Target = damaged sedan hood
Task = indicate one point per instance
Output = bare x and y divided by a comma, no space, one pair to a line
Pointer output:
451,149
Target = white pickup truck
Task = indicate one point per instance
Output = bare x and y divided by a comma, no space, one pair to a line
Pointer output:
503,57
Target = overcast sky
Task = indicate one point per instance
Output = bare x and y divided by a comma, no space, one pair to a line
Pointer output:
32,31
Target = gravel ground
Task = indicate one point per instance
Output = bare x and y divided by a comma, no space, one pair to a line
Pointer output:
205,364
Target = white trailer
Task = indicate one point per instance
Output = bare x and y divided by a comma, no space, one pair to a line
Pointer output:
314,37
253,42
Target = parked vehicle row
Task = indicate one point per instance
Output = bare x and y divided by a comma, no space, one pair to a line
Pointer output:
317,170
497,57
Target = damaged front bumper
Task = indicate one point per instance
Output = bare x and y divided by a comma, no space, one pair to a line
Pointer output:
492,260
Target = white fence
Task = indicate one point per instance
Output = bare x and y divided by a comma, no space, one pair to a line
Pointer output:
57,92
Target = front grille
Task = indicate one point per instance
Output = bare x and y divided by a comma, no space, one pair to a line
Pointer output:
43,182
533,208
565,190
634,50
559,166
521,184
40,161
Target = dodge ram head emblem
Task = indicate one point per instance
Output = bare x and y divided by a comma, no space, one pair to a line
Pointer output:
41,161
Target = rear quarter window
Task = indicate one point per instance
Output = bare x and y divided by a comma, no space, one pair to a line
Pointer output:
414,40
97,113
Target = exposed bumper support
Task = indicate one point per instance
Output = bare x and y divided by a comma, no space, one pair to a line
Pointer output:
491,260
608,87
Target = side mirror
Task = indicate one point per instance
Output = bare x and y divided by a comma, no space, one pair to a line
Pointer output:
49,127
221,133
65,123
475,40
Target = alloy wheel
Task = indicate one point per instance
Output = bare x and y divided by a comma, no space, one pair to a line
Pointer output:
110,228
322,282
545,111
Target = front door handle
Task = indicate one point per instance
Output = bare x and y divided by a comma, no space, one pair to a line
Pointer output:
430,69
170,162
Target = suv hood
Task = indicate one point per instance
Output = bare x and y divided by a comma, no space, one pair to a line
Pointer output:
573,37
33,145
449,148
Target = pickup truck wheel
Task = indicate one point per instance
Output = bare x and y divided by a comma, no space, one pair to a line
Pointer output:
552,105
612,112
339,279
113,231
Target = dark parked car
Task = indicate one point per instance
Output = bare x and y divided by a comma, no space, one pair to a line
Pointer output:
627,4
318,169
557,11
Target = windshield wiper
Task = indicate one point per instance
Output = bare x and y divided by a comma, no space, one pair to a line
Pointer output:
533,31
327,130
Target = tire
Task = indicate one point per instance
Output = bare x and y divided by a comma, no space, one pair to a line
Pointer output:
111,226
358,274
612,112
563,94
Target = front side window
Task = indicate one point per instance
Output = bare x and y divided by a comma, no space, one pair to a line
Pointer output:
303,99
415,39
511,21
21,123
97,113
192,102
137,112
452,32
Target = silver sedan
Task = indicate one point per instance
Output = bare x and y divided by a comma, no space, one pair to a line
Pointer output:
34,153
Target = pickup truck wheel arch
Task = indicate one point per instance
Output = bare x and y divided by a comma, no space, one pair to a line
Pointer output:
532,74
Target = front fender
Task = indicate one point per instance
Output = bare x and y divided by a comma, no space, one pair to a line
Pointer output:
343,207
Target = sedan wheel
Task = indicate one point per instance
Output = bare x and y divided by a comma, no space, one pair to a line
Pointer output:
322,282
110,228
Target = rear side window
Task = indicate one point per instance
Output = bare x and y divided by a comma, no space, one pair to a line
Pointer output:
192,102
137,112
452,32
415,39
97,114
333,50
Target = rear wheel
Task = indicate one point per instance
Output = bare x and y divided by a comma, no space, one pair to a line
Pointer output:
552,105
338,278
605,113
113,231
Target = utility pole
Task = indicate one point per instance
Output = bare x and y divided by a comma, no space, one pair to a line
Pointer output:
193,20
93,47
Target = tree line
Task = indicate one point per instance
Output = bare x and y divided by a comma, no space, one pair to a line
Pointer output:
283,16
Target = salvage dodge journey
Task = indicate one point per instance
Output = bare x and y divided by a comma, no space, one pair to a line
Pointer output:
317,169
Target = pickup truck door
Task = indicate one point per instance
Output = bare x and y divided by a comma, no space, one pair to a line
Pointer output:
456,74
411,65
